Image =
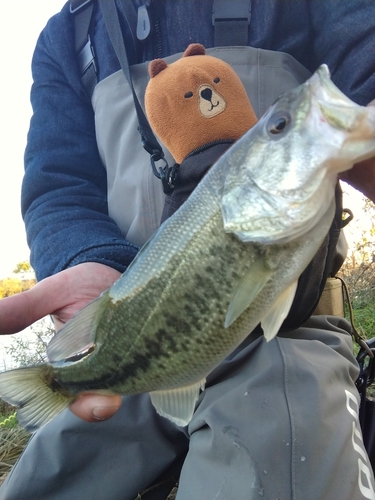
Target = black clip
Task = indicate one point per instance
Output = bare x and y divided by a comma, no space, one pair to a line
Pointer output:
166,174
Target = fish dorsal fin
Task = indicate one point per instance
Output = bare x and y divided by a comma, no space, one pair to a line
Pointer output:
177,404
246,290
77,336
272,322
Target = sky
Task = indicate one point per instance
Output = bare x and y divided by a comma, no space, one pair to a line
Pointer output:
21,22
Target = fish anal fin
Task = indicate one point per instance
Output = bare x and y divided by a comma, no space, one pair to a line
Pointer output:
77,336
177,405
246,290
273,320
28,389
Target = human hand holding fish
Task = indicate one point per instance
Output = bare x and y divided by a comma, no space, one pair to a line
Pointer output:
61,296
362,175
161,328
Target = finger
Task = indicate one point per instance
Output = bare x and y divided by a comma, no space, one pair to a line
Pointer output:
62,294
362,177
20,311
94,407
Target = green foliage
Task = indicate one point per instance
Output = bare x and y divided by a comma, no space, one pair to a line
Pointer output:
364,319
9,422
7,415
23,267
12,286
360,281
358,270
361,284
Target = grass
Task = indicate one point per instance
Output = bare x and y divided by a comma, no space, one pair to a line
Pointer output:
13,439
364,317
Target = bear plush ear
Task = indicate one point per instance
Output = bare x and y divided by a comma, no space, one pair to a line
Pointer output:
156,66
195,49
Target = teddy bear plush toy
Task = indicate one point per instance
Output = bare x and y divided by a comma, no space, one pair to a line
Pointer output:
198,107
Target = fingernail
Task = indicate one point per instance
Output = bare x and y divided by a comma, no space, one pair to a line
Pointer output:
104,412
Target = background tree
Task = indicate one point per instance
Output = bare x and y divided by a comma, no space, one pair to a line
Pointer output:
31,348
25,279
23,267
358,270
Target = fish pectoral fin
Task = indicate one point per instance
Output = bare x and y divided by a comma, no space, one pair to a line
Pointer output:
246,290
28,389
77,336
177,404
273,320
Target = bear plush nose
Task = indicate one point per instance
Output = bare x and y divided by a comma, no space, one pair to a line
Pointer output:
210,102
206,94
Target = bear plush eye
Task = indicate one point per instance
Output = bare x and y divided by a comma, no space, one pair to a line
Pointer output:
217,80
188,94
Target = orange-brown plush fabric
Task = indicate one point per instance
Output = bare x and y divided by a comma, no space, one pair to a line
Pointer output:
196,100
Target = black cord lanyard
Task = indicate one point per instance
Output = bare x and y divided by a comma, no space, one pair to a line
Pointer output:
148,139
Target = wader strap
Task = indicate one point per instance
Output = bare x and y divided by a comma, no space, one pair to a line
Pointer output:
148,139
231,21
82,11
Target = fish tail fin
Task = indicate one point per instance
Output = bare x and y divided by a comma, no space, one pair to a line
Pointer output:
35,393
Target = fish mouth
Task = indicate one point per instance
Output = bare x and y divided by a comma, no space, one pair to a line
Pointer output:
338,111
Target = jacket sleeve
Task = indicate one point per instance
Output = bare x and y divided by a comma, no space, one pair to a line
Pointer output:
64,192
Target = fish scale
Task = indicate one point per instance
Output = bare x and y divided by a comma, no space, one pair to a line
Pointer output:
227,260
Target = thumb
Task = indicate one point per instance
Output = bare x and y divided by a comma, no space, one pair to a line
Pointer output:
95,407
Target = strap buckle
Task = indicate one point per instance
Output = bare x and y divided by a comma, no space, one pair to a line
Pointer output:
87,57
234,10
77,5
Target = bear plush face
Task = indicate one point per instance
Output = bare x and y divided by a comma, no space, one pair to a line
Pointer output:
196,100
210,102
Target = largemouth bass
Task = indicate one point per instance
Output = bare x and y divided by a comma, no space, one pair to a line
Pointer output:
227,260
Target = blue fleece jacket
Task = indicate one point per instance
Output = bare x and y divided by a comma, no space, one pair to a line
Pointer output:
64,201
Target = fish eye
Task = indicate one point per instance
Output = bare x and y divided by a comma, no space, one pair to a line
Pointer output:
188,94
278,123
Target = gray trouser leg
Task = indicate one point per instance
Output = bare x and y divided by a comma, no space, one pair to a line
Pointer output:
69,459
280,423
277,421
